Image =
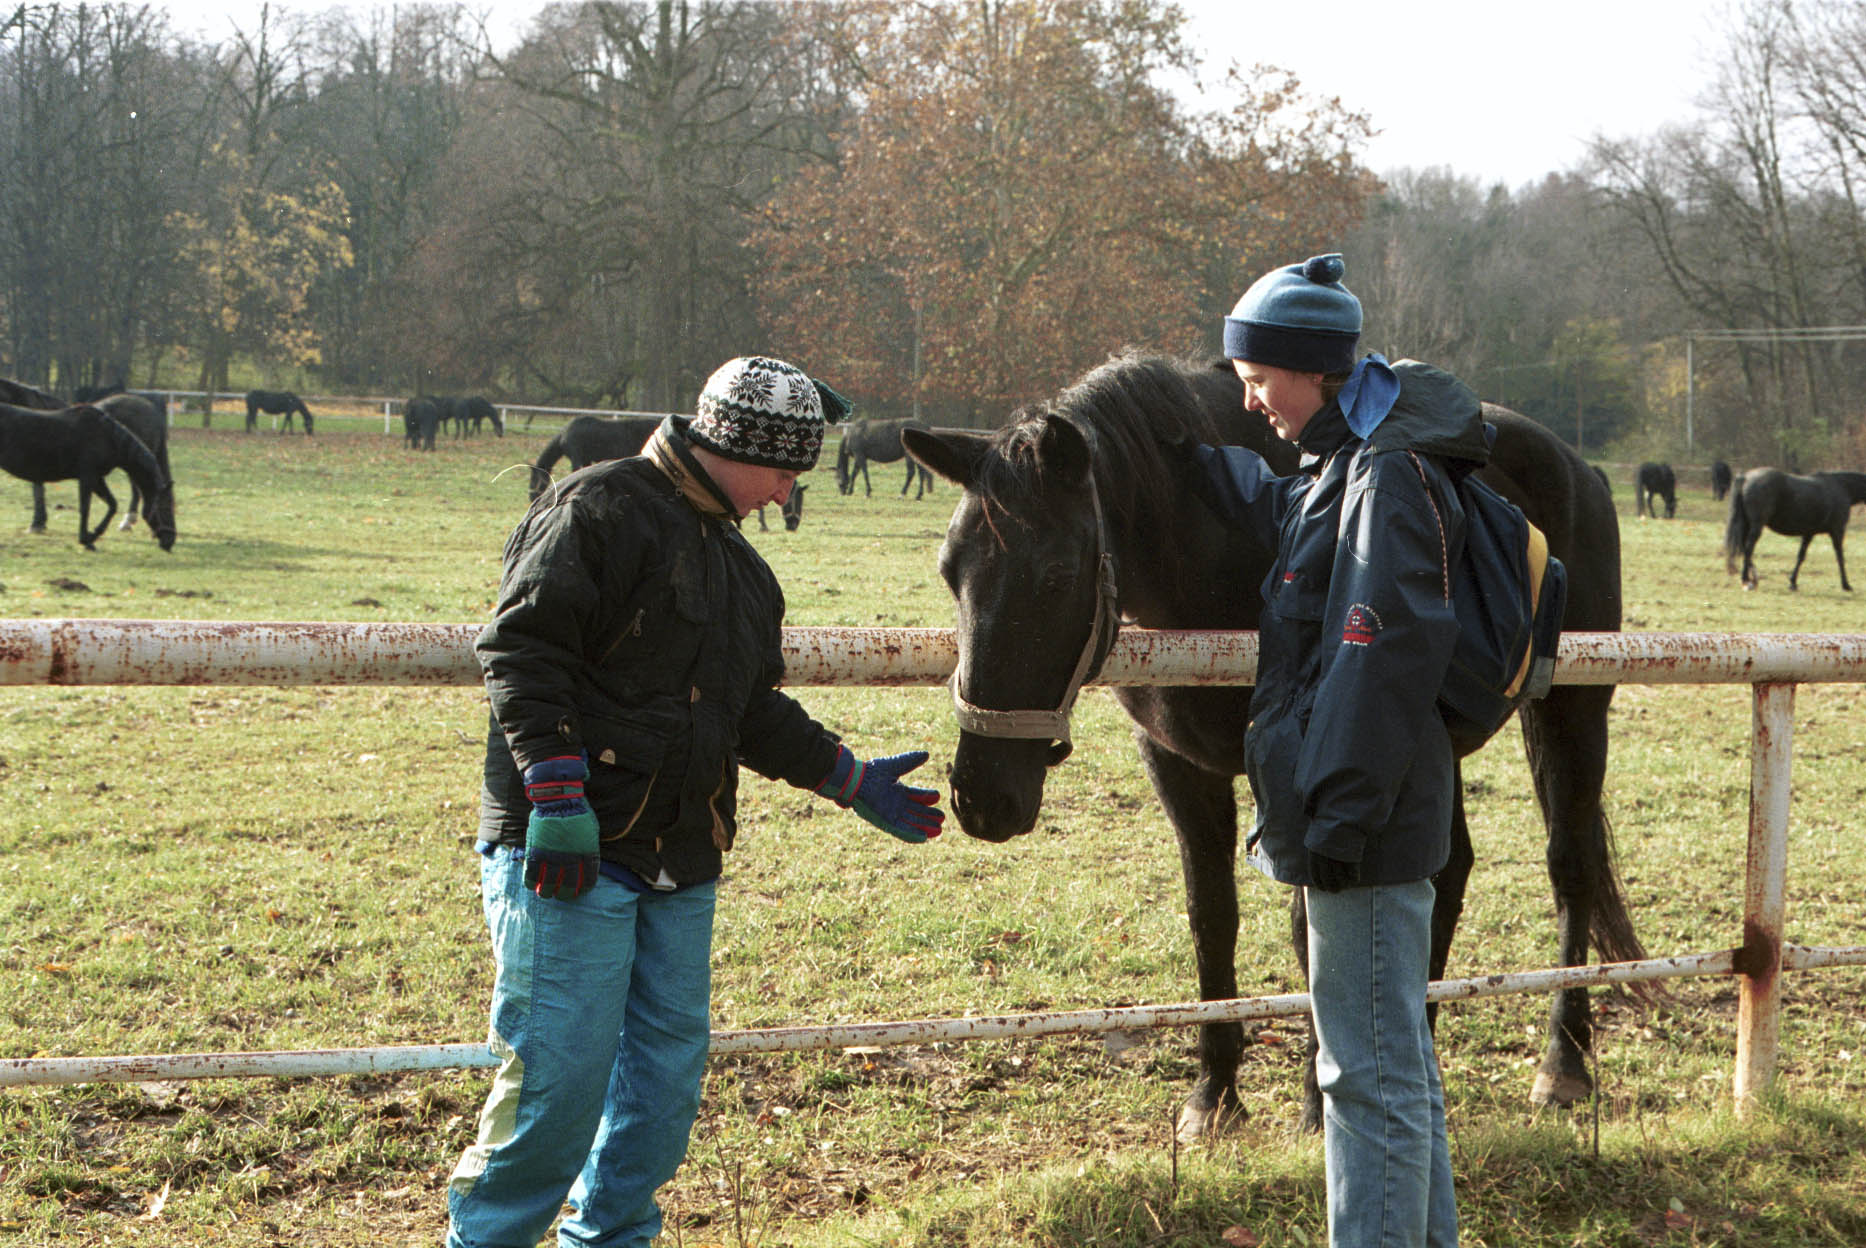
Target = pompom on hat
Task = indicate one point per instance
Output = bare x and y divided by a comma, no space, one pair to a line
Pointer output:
1298,317
757,410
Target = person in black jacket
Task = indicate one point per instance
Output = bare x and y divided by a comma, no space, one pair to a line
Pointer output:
632,665
1349,762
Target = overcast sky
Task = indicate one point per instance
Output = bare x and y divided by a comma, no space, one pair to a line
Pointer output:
1495,89
1500,90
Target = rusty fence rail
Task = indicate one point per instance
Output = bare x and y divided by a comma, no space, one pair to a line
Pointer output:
184,652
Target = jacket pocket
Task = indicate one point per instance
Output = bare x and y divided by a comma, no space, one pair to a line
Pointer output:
625,759
1298,597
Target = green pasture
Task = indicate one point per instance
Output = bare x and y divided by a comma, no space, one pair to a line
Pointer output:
250,868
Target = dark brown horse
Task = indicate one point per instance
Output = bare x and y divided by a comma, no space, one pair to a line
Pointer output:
1804,507
878,441
86,443
1075,501
276,403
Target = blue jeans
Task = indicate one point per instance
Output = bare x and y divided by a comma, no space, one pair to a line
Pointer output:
599,1012
1383,1108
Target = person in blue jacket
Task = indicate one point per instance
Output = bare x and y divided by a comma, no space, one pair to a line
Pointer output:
1350,764
632,666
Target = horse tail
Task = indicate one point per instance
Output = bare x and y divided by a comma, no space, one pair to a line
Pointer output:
541,470
1736,531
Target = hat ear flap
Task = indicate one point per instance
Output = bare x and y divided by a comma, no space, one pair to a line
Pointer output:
836,409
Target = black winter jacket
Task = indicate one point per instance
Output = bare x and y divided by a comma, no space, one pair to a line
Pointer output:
1346,752
635,628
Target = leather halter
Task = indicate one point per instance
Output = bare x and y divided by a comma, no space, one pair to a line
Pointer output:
1053,726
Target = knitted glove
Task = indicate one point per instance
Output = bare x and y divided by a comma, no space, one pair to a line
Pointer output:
561,838
874,791
1331,875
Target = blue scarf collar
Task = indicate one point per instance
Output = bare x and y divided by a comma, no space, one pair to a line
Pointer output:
1369,394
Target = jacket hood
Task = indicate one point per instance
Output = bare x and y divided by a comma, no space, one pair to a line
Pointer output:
1435,414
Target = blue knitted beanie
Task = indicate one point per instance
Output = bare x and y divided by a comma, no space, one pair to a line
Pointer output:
1298,317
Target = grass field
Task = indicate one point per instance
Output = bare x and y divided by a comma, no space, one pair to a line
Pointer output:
203,869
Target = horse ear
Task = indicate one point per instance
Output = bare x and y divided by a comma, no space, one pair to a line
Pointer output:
949,453
1064,449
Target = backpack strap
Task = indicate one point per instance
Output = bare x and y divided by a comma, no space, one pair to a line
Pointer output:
1444,553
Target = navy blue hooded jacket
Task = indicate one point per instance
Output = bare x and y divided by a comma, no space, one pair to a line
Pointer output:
1346,752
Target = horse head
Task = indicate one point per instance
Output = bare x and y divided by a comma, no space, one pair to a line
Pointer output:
1024,558
159,514
793,507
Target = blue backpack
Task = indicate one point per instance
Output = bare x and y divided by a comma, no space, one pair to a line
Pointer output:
1509,594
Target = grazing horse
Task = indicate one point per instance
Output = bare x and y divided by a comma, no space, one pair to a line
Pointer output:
1797,506
589,440
1720,479
421,420
276,403
144,415
1074,521
475,410
880,441
1655,481
86,443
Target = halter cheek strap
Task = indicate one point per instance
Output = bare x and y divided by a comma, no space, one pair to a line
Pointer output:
1053,726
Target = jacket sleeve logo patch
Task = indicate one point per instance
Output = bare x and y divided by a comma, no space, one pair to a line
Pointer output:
1363,623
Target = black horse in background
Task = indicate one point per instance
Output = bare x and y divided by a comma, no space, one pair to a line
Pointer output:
1720,480
1082,483
1655,481
421,420
471,412
880,441
86,444
144,415
1797,506
275,403
587,440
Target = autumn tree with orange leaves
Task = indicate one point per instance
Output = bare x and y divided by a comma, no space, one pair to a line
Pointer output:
1021,194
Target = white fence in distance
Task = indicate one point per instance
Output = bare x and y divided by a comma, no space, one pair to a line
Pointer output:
180,652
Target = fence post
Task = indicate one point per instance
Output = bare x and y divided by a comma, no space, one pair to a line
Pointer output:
1758,1017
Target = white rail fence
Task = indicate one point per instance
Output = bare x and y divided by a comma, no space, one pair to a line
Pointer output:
180,652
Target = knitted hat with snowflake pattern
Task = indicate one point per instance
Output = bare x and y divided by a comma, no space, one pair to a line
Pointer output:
758,410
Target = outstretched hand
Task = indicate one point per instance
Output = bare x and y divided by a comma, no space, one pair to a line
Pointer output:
873,790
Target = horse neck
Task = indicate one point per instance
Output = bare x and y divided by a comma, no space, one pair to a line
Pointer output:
1853,483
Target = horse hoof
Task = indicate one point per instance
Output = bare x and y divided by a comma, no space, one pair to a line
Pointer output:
1560,1090
1198,1123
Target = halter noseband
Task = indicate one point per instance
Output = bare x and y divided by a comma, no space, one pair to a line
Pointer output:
1053,726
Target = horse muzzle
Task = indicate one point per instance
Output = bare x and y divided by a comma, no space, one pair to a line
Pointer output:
997,786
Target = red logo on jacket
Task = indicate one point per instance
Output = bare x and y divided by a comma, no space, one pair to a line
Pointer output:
1362,624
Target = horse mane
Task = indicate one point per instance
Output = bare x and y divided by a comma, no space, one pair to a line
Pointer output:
1126,407
136,458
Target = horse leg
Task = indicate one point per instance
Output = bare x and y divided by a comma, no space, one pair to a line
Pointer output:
1841,559
135,509
38,507
86,487
1203,811
1565,735
1799,556
909,478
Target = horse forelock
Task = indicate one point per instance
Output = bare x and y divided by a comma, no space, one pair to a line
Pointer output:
1122,408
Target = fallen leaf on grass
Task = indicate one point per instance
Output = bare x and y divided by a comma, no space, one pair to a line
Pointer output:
156,1204
1238,1237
